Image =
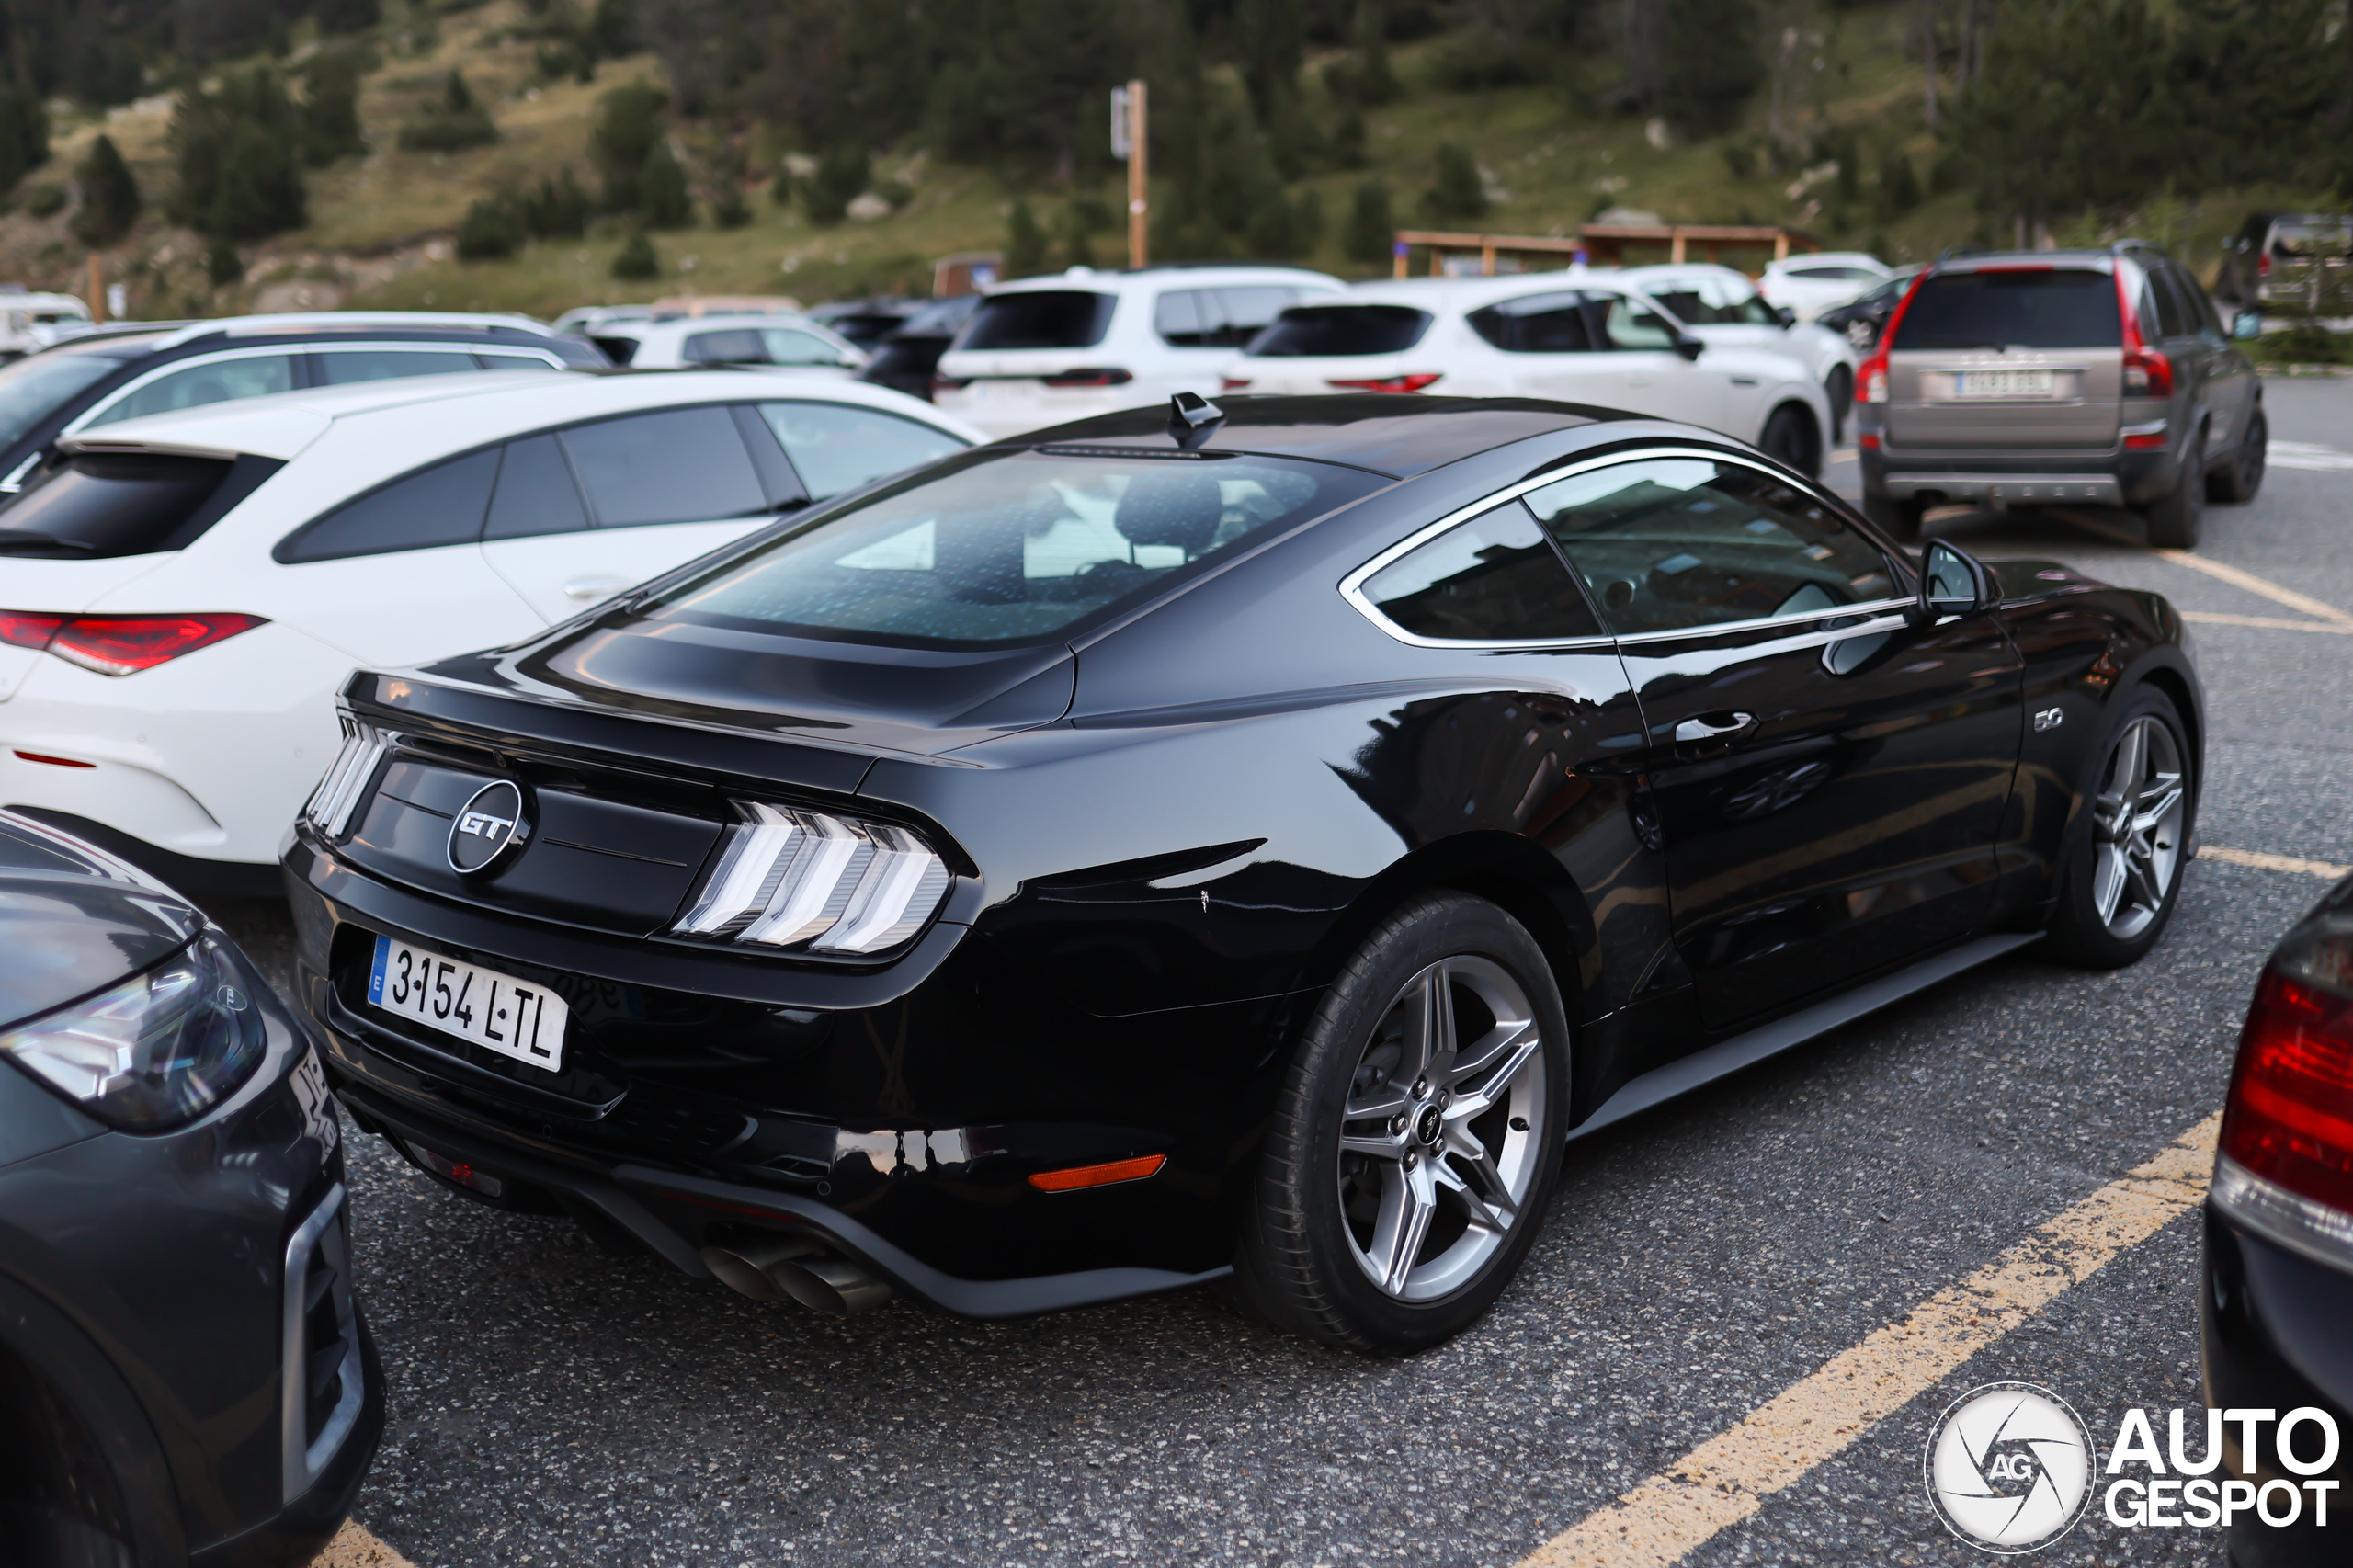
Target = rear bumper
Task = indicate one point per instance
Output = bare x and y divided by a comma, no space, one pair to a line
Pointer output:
2274,1338
2114,479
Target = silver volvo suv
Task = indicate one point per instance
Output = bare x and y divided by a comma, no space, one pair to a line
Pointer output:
2039,378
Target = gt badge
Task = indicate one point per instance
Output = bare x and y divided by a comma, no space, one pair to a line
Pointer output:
488,825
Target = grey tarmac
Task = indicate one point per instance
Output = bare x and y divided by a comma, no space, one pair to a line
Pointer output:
553,1404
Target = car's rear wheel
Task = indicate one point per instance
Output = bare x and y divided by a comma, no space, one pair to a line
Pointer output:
2123,877
1417,1136
1791,438
1839,388
2239,479
2172,521
1899,519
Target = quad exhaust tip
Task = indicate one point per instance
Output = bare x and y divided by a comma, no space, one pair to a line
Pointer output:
770,1268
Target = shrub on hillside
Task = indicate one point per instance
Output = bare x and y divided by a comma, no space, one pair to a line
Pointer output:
636,261
331,108
452,125
628,122
110,200
729,209
24,135
221,263
104,71
346,15
1459,192
46,199
662,197
841,174
1025,241
492,228
558,209
1372,227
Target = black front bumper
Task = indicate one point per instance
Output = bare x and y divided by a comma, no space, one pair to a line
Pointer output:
2276,1330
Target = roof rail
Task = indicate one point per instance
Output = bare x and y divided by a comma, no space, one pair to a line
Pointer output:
329,321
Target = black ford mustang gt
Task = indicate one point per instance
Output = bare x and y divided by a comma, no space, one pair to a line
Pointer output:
1239,846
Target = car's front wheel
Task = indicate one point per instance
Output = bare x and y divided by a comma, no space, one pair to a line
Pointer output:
2123,876
1417,1136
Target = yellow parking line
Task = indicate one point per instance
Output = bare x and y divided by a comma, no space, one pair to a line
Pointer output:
2261,586
1728,1477
2270,622
355,1546
2262,863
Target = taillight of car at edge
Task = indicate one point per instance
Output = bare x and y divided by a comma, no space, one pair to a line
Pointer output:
2286,1164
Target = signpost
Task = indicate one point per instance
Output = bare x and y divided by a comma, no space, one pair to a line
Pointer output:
1129,139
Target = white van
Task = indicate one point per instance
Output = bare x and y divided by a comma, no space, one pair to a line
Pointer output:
1047,350
30,323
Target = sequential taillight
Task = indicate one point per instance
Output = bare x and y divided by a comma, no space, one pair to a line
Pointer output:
332,803
120,645
816,881
1412,382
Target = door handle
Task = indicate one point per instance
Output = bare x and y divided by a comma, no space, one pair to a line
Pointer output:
1714,727
595,587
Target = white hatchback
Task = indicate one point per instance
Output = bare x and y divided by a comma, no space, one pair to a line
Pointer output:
762,342
185,593
1578,336
1809,285
1047,350
1717,304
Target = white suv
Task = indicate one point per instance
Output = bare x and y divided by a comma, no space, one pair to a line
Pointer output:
1047,350
1717,304
1809,285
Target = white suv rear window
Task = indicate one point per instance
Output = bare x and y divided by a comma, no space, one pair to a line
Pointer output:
1045,318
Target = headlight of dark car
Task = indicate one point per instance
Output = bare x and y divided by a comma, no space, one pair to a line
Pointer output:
160,1048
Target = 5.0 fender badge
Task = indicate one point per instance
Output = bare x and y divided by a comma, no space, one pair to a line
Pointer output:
488,825
2048,719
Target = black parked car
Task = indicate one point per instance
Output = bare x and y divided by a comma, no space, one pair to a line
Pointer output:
1862,320
2277,1306
1169,845
122,374
183,1373
904,359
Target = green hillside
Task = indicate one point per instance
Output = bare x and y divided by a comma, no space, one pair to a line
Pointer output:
382,225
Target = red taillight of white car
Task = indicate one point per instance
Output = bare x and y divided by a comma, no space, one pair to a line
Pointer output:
1417,381
2287,1145
120,645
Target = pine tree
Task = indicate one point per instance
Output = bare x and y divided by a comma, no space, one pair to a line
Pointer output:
1372,230
457,122
558,209
1025,241
662,195
24,135
1372,82
1709,66
842,174
331,110
110,200
239,148
493,227
222,263
1459,193
637,259
629,122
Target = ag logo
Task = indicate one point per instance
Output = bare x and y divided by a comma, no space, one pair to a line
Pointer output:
2008,1467
487,827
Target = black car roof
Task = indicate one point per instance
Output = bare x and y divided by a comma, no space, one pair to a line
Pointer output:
1389,433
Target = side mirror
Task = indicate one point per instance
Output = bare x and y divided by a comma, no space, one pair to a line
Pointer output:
1789,316
1951,584
1689,347
2247,325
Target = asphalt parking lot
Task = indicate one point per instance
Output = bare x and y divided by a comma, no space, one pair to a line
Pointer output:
553,1404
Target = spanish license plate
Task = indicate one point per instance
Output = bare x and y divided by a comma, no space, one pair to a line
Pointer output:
2004,383
476,1005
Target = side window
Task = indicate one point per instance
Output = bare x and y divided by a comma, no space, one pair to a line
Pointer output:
535,495
837,447
1492,579
1629,325
512,362
385,364
438,505
224,380
1185,317
1540,324
787,346
1667,543
1247,310
683,465
2172,322
2197,308
740,346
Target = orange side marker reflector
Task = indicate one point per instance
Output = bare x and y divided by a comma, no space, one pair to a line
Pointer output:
53,761
1097,1175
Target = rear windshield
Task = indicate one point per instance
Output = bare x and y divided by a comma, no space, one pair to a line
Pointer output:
105,503
1001,548
31,390
1715,302
2041,308
1056,318
1340,330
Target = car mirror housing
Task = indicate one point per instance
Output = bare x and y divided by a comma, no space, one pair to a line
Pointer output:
2247,325
1789,317
1689,347
1951,583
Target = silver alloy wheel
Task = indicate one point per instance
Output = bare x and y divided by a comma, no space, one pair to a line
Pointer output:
2136,830
1441,1135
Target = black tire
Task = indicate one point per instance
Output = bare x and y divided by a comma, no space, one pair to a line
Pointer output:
2172,521
1900,520
2082,932
1791,440
1305,1257
2238,481
1839,388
